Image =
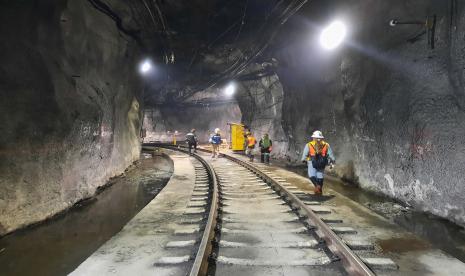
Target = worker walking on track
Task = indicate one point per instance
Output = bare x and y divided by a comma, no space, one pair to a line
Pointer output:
246,134
216,141
191,140
251,142
317,154
265,145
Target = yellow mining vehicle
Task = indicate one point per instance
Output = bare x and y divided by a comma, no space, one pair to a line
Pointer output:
237,136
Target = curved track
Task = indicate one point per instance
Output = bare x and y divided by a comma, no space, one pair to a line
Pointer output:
257,224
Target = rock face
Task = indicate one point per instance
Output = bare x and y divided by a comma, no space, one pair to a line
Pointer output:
204,112
392,108
261,102
70,107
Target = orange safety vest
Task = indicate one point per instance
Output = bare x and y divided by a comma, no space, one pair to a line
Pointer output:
251,141
312,151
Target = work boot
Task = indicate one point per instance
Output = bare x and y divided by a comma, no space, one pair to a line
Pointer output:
315,190
320,185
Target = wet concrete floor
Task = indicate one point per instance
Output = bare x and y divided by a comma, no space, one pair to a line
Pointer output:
440,233
58,246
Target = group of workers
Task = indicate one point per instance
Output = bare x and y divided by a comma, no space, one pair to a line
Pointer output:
317,154
265,144
215,141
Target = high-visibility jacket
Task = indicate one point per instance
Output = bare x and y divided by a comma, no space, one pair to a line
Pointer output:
251,141
313,149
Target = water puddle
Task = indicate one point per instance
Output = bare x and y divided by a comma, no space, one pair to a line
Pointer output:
441,233
401,245
58,246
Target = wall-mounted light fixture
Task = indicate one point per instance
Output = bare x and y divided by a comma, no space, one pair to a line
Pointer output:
429,23
230,89
333,35
145,67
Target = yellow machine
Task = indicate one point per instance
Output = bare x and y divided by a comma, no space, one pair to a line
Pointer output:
237,136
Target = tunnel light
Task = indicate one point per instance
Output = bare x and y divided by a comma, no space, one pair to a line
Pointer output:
146,66
230,89
333,35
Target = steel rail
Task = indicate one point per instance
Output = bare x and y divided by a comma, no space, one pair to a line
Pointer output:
200,266
350,261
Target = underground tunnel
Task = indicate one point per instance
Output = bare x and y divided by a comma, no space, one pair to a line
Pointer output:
101,171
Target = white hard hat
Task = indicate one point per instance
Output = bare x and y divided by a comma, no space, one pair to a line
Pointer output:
317,134
217,130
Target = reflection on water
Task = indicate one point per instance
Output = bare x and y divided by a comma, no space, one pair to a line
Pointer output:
441,233
60,245
404,244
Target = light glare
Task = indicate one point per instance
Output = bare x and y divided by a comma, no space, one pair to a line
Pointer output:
145,67
333,35
230,89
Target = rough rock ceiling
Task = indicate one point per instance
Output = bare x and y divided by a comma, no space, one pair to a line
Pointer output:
198,43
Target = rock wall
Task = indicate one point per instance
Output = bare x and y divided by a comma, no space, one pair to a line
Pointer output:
70,108
261,102
391,107
204,111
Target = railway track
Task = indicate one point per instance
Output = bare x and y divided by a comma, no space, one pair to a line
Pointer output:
251,222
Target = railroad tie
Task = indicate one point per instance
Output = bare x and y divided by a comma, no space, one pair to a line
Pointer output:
380,263
343,230
172,260
180,244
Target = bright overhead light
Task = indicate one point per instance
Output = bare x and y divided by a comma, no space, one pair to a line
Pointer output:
145,66
333,35
230,89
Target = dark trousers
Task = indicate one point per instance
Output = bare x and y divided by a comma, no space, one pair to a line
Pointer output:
192,145
265,156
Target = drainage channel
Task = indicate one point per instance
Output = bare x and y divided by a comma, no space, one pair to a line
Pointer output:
266,226
57,246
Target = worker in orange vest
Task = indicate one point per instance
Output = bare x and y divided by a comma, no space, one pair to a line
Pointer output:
317,154
251,142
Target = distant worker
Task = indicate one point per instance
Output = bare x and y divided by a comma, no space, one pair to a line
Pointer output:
265,145
317,154
191,140
249,150
246,134
216,141
174,138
